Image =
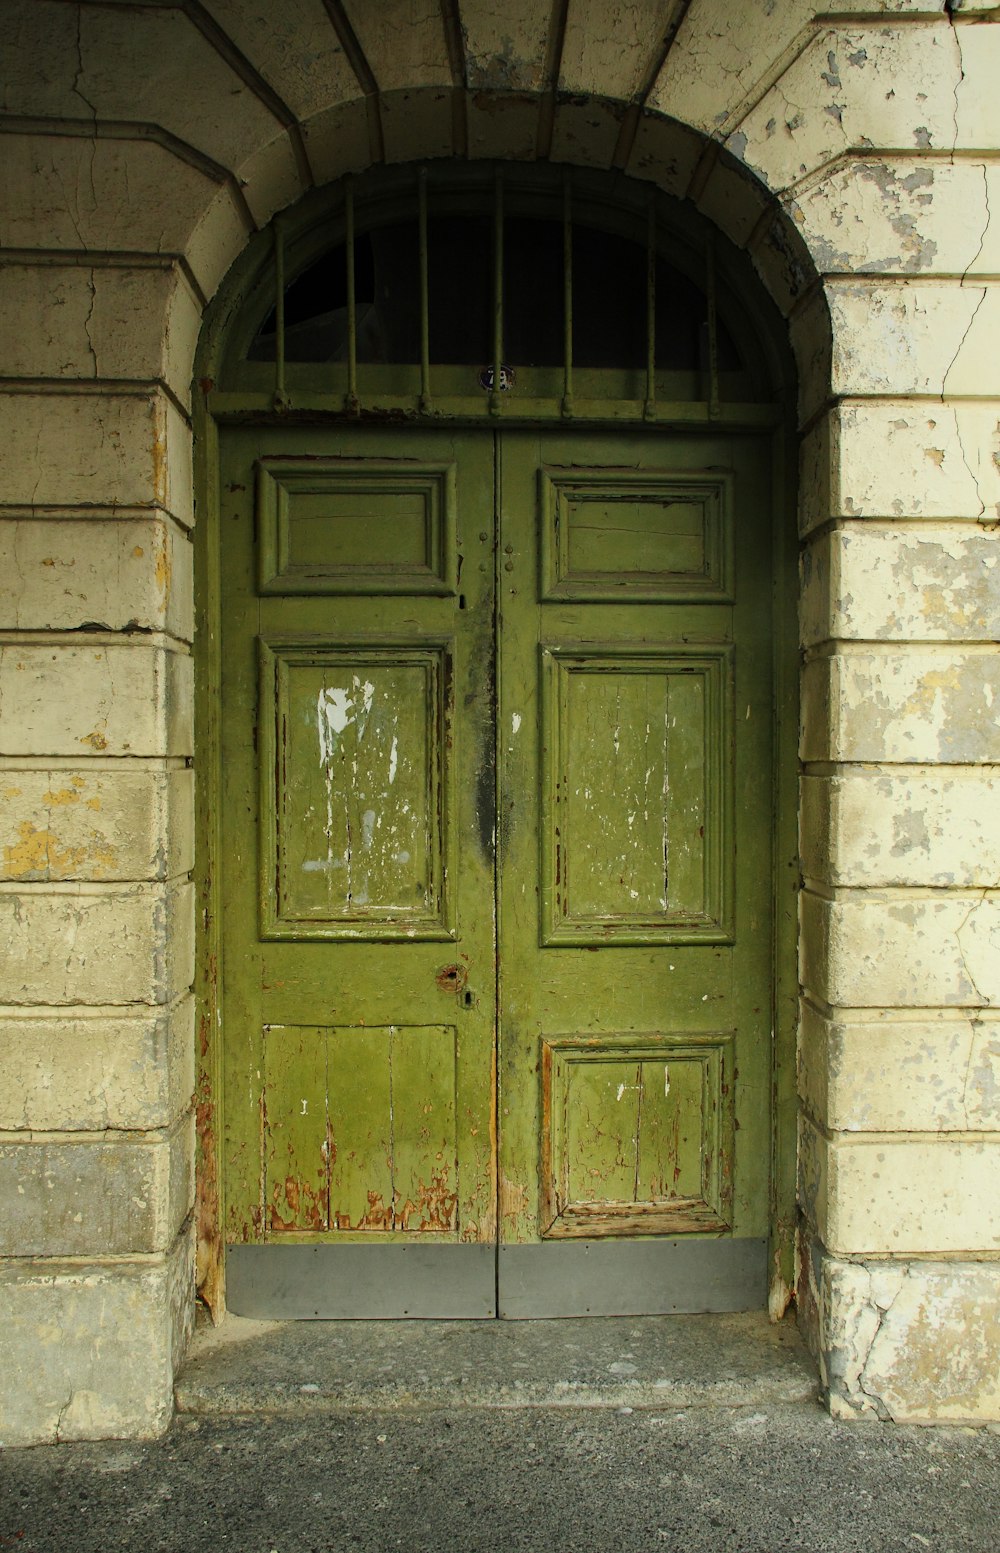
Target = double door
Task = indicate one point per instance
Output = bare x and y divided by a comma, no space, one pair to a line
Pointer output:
497,948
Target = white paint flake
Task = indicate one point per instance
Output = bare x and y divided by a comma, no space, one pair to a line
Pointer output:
515,722
393,759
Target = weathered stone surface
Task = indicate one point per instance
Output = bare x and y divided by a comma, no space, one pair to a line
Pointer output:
111,823
892,86
96,1069
117,574
294,47
403,41
885,582
505,44
217,236
935,951
271,178
90,1351
903,460
502,125
608,50
903,216
109,696
96,944
585,132
109,1195
338,140
812,342
876,828
733,198
914,337
875,1195
417,124
665,153
98,321
95,450
917,1342
932,1072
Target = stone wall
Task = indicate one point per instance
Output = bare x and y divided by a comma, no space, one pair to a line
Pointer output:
143,144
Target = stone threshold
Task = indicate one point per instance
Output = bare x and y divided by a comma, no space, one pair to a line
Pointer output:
246,1367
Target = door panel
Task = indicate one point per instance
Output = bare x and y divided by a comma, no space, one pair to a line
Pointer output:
634,865
359,935
440,646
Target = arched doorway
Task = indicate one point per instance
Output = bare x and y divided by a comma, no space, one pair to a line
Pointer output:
499,546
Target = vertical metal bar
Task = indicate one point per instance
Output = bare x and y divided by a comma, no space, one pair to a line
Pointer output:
425,323
713,331
649,409
567,404
351,403
280,392
497,293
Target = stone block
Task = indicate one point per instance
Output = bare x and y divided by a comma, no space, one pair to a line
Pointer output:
871,950
294,47
99,1196
271,178
108,696
94,449
899,216
665,153
870,85
89,1070
505,46
502,125
70,192
933,705
112,574
608,50
813,345
105,320
216,237
96,824
930,1072
96,944
585,132
732,198
904,337
896,827
417,124
886,1194
884,582
338,140
90,1351
403,41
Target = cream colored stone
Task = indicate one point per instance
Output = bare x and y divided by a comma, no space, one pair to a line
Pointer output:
294,47
733,199
922,704
90,1351
782,261
114,824
608,50
338,140
870,1196
96,944
882,582
932,1073
877,85
217,237
502,125
905,460
891,827
903,216
915,1342
124,696
505,45
95,449
664,153
96,1069
417,124
868,950
109,1195
71,192
909,337
813,344
98,321
585,133
403,41
114,574
271,178
724,58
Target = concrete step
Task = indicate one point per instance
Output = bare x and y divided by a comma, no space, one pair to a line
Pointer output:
744,1360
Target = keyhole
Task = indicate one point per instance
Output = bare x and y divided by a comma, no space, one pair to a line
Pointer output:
468,999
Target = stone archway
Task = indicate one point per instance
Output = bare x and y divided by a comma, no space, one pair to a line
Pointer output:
862,153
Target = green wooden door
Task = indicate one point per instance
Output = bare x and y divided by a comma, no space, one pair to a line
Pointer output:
496,841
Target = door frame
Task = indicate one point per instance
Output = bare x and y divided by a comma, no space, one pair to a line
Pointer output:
212,411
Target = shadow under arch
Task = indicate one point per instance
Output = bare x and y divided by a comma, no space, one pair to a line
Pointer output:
237,387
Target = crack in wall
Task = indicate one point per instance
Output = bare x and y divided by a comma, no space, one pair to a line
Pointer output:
984,1000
